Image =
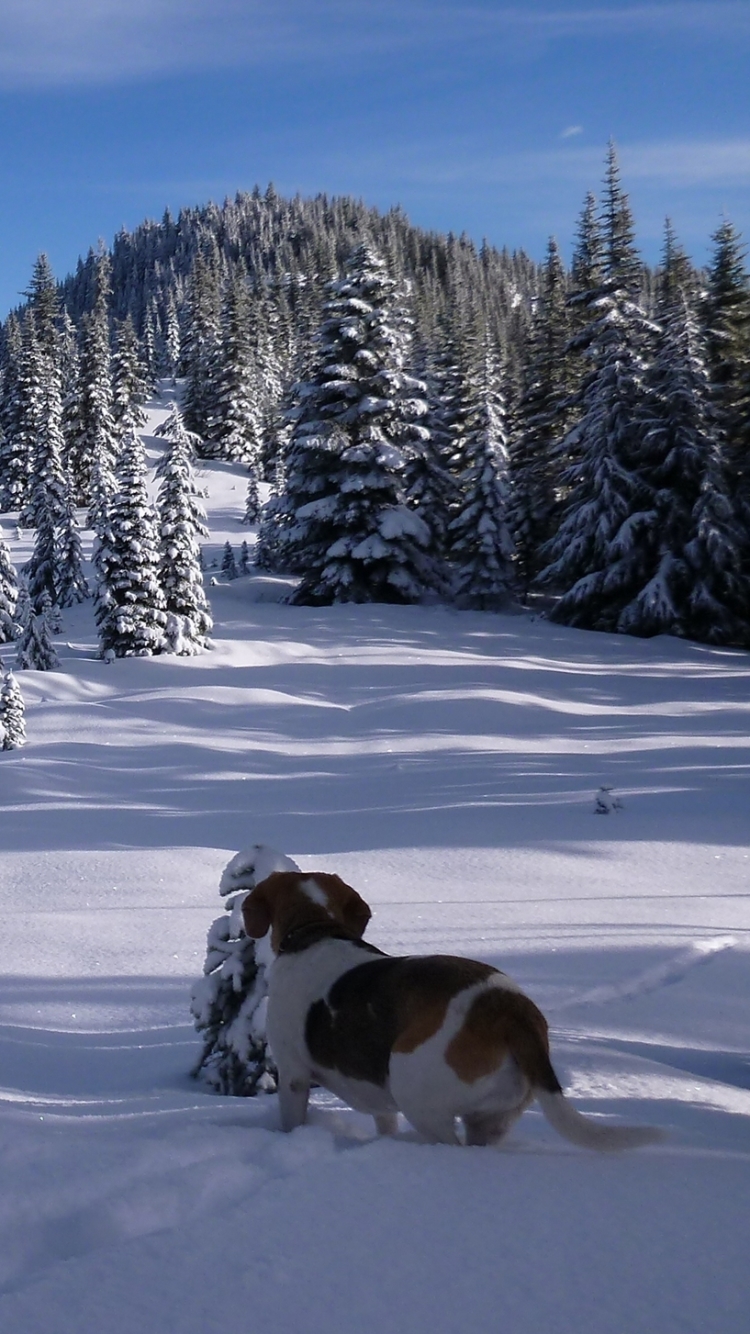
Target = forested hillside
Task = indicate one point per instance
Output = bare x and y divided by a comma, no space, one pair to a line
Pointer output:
431,420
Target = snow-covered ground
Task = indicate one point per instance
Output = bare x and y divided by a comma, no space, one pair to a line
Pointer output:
446,764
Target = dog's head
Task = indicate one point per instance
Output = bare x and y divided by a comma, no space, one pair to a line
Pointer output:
286,900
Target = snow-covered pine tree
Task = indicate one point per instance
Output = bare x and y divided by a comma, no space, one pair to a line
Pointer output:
481,546
540,422
29,389
348,531
14,462
172,341
130,387
182,521
228,562
252,499
49,505
8,594
227,1002
45,307
200,345
93,448
235,420
72,585
726,316
130,604
598,558
679,439
151,343
432,467
12,711
243,565
35,648
22,614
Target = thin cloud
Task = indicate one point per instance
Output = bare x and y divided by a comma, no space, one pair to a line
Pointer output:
59,42
677,164
571,131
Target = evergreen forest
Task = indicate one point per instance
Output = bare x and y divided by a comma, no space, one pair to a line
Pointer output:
418,417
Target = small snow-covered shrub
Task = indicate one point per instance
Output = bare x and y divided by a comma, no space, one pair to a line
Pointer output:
228,1003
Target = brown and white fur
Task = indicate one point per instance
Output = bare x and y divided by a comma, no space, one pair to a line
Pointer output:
438,1038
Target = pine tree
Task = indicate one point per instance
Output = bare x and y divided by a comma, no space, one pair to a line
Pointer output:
481,544
244,561
679,439
172,342
726,315
45,308
14,470
35,648
94,449
130,604
12,710
228,562
129,385
252,499
8,594
29,389
598,558
235,420
541,420
227,1003
432,467
200,346
182,520
49,508
349,532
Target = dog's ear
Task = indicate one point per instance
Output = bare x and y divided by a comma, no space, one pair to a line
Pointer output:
355,911
256,913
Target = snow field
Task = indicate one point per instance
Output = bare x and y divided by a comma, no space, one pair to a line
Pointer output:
446,765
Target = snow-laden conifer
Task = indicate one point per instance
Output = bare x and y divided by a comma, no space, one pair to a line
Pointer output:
540,422
679,440
235,419
12,713
93,441
129,384
8,594
227,1003
598,559
481,545
14,455
199,349
172,339
432,465
36,650
345,526
49,505
182,521
29,390
228,562
130,604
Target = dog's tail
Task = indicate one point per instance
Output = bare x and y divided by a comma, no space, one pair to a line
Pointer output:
529,1044
588,1132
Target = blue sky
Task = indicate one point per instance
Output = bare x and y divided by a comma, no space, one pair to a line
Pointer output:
489,118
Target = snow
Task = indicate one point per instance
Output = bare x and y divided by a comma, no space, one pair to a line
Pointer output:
447,765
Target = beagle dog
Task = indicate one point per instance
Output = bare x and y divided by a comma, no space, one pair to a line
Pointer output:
437,1038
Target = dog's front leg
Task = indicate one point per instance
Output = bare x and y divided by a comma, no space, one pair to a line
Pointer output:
293,1095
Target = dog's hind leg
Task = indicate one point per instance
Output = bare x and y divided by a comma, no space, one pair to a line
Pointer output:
386,1123
488,1127
435,1127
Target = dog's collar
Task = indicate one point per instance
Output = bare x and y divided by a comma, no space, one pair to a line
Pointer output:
310,933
